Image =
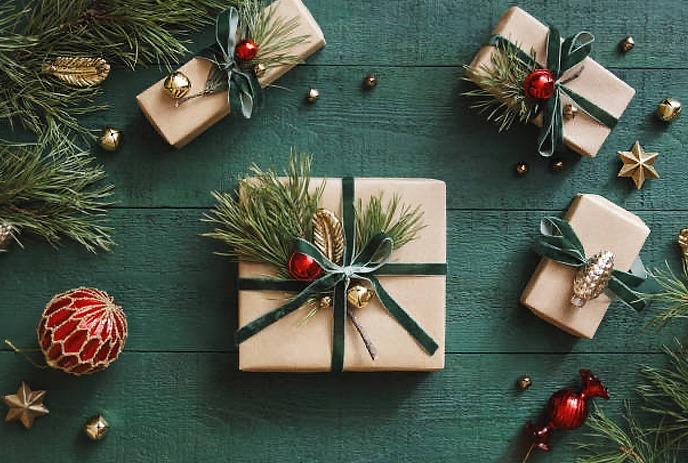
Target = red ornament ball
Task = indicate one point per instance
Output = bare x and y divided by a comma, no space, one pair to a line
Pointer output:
303,267
246,50
82,331
539,84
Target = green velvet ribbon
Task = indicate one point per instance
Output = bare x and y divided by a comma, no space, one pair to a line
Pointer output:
561,57
559,242
368,264
221,53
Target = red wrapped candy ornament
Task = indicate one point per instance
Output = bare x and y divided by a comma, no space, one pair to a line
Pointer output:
303,267
82,331
539,84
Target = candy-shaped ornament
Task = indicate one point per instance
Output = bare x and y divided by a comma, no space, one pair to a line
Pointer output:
82,331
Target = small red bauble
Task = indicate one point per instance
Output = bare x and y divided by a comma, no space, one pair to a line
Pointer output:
539,84
567,409
303,267
246,50
82,331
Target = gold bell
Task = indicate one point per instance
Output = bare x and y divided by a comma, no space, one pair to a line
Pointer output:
110,139
313,95
627,44
96,428
369,81
669,109
524,382
570,111
177,85
359,296
260,69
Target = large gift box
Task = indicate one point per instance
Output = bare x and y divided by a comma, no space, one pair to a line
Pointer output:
179,124
587,79
597,225
290,344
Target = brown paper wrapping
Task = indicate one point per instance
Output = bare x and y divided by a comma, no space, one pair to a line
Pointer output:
582,133
291,345
600,225
179,125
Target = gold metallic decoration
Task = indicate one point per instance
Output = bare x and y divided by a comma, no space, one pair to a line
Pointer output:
627,44
668,110
25,406
313,95
521,169
177,85
592,278
570,111
359,296
524,382
369,81
557,165
328,235
638,165
77,72
110,139
260,69
96,428
6,234
683,243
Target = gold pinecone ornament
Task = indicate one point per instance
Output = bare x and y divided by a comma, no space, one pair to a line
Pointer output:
6,234
77,72
683,243
592,279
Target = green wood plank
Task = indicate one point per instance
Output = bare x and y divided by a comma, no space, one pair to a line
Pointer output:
415,123
179,296
166,407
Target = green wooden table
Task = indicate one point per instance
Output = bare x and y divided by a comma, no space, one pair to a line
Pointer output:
176,394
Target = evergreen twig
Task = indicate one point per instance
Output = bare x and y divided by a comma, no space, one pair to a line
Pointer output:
400,221
672,298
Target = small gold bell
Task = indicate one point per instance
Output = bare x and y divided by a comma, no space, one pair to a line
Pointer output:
369,81
260,69
521,169
313,95
110,139
359,296
669,109
627,44
570,112
557,165
177,85
96,428
592,278
524,382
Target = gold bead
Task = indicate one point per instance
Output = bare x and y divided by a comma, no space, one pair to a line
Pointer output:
359,296
524,382
557,165
260,69
570,112
627,44
669,109
521,169
369,81
110,139
313,95
177,85
96,428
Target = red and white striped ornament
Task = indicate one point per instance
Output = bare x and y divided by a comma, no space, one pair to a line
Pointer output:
82,331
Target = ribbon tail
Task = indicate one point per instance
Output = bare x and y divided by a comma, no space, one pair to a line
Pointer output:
551,136
625,294
338,324
405,320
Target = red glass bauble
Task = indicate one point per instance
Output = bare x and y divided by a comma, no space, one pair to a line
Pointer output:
539,84
246,50
303,267
82,331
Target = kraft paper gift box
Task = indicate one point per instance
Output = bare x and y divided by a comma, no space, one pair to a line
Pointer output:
180,125
595,83
290,345
600,225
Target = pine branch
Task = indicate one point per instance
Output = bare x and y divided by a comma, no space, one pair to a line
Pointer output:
401,222
53,194
672,297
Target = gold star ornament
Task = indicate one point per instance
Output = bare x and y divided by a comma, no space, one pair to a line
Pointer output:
638,165
25,406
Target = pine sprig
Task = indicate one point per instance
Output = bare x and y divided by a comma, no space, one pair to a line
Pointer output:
672,298
400,221
500,93
54,195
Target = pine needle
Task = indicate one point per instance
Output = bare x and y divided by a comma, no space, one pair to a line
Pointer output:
672,297
400,221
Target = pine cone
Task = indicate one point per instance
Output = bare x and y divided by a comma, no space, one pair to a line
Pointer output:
591,279
6,234
683,242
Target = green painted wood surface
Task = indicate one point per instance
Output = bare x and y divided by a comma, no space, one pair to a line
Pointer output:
176,394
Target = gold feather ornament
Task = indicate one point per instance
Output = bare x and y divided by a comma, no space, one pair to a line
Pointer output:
77,71
592,279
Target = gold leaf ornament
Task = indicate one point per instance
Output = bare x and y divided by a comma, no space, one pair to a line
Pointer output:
76,71
328,235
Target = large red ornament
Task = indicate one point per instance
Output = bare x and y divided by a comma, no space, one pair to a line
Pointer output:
539,84
82,331
303,267
567,409
246,50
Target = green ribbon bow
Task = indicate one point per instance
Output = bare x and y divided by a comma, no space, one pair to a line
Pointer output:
559,242
366,265
221,53
561,57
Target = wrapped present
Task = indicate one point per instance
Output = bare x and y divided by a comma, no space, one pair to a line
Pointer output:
185,104
589,258
570,96
404,319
